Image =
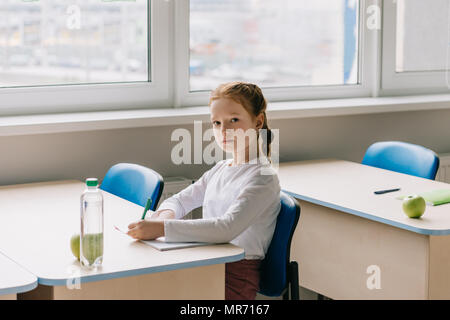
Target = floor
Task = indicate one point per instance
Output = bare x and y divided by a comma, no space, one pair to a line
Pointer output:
304,293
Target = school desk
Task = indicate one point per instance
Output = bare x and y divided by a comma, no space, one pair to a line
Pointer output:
38,219
14,279
353,244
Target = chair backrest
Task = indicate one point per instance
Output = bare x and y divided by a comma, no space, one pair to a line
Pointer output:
403,157
273,272
134,183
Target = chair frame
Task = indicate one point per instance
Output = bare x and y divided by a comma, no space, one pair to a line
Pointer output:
291,289
292,282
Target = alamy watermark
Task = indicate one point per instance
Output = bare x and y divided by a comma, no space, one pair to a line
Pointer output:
212,153
73,282
373,21
374,280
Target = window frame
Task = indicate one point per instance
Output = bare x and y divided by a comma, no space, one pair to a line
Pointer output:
108,96
169,67
367,54
409,82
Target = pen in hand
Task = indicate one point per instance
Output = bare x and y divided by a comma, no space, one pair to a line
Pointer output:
147,207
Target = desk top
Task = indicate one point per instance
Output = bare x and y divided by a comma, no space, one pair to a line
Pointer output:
348,186
14,278
48,214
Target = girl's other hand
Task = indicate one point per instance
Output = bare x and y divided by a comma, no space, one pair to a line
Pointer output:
163,214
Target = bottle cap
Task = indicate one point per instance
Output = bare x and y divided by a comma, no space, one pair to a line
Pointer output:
91,182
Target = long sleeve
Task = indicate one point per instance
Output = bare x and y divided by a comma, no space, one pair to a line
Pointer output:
255,203
189,198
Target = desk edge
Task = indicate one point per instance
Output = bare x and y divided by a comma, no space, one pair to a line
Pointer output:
370,217
136,272
20,289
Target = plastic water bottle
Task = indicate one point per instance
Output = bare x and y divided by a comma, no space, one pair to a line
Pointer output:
91,238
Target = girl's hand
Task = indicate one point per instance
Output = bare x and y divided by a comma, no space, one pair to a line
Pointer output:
146,229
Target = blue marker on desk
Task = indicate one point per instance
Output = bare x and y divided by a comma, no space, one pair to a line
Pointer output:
386,191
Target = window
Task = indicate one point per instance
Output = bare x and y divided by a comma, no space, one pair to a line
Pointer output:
83,55
416,49
294,49
89,55
293,43
60,42
416,55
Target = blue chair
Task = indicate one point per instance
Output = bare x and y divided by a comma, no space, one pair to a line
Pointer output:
278,274
403,157
134,183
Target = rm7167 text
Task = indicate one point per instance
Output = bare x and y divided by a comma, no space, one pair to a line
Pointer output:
246,309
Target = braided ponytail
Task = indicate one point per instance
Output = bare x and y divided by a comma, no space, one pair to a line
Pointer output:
266,138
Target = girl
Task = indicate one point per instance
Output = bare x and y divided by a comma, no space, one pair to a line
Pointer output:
240,196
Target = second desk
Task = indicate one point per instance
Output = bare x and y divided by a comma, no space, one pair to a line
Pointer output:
353,244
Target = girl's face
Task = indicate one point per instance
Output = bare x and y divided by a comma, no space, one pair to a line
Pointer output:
227,114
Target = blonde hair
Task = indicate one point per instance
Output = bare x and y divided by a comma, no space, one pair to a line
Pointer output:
252,99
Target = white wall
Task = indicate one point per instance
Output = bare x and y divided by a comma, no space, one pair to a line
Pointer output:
79,155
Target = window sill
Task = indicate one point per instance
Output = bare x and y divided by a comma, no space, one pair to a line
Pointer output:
87,121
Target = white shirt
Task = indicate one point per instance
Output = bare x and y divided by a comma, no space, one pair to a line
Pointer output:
240,205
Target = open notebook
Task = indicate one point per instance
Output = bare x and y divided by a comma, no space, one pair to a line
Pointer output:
161,245
435,197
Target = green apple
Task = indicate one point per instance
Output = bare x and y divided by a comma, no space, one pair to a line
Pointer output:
414,206
75,245
92,247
